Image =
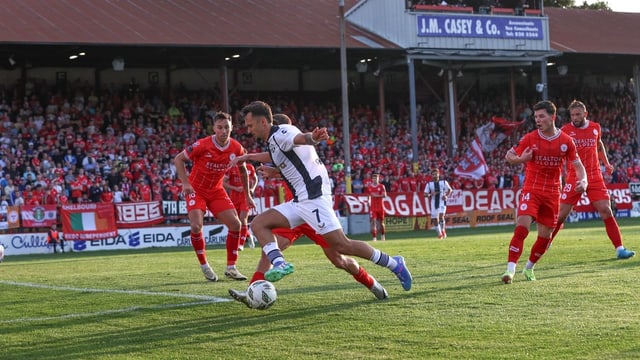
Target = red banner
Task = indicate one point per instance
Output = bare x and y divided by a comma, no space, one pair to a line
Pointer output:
138,214
88,221
492,201
38,215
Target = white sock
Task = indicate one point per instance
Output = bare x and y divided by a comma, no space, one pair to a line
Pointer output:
529,265
511,267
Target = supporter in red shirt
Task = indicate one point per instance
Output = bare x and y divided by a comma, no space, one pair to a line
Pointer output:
107,194
144,190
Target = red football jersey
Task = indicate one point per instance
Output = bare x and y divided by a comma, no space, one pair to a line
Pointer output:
542,173
586,140
210,162
376,202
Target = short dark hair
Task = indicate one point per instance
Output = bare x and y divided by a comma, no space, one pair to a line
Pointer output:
259,108
281,119
545,105
220,115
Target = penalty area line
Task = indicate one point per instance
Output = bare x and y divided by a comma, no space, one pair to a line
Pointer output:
116,291
107,312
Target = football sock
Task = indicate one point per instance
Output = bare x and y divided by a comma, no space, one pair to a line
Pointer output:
511,267
613,231
374,233
529,265
364,278
273,253
257,276
232,247
538,249
244,231
517,241
198,245
382,259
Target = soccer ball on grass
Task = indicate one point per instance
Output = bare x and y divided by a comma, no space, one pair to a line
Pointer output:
261,294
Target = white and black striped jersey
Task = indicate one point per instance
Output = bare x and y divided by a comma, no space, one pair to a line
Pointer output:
299,165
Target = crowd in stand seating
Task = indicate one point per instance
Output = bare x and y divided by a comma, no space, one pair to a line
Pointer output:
119,145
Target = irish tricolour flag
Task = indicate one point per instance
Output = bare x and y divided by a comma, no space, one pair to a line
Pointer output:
88,221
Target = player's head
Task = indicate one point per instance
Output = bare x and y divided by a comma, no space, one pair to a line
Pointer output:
578,113
375,177
545,115
435,173
281,119
258,119
222,127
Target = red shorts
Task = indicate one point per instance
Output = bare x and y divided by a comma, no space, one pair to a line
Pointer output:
376,214
595,192
304,229
543,208
216,200
239,201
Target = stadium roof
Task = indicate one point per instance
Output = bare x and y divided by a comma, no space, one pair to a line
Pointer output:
264,23
594,32
195,33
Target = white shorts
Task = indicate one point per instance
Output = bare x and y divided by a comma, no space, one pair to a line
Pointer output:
317,213
442,209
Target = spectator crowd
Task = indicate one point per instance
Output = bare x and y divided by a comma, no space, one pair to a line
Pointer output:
115,145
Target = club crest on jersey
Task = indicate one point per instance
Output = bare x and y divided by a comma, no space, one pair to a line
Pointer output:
595,132
563,147
232,156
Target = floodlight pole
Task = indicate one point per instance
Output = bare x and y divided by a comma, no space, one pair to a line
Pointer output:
346,137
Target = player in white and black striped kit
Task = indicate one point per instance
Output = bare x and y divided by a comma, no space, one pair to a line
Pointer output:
438,191
293,153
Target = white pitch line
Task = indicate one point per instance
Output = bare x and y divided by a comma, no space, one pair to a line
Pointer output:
107,312
115,291
205,300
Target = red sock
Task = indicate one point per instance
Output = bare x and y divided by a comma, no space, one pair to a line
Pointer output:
613,231
257,276
538,249
198,245
244,231
364,278
517,241
381,231
374,233
232,247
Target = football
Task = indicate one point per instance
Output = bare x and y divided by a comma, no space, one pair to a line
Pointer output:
261,294
1,252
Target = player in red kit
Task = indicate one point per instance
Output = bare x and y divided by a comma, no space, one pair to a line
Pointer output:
587,136
286,237
377,193
233,183
544,151
211,158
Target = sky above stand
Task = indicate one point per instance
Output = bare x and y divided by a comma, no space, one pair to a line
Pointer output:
618,5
